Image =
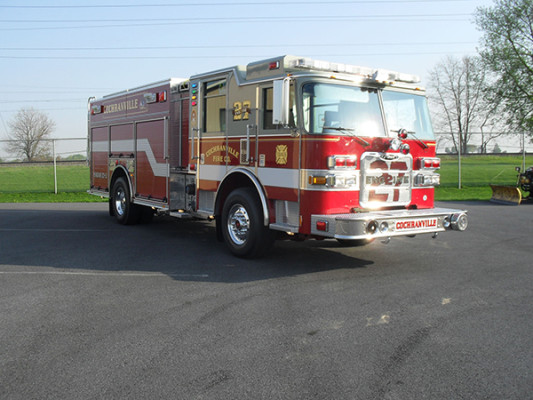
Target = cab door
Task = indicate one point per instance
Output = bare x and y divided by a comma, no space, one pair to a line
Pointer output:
208,150
278,152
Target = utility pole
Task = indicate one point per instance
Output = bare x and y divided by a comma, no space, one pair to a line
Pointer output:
55,165
459,185
523,151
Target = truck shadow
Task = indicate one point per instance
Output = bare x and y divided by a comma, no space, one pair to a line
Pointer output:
182,249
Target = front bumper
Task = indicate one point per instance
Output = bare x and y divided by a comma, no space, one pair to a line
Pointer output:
385,224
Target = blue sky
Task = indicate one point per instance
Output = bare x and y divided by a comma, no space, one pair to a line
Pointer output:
54,55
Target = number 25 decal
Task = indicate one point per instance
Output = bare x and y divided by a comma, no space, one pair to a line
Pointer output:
241,110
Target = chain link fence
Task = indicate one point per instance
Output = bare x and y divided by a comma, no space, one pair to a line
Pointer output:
481,170
486,143
66,169
61,167
490,158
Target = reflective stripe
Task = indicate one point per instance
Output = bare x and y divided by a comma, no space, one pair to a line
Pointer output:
277,177
126,146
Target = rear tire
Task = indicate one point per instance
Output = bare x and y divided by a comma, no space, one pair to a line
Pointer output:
124,210
242,225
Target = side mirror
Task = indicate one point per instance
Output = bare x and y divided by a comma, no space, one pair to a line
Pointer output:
517,169
280,111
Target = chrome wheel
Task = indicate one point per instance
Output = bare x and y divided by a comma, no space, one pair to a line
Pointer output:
120,202
238,224
242,225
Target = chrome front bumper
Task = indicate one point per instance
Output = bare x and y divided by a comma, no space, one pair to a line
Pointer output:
384,224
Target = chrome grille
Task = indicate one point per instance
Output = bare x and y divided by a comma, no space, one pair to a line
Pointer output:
385,180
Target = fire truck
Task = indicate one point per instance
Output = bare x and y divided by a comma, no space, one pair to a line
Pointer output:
288,147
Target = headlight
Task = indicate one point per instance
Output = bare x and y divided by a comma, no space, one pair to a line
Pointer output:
427,180
341,181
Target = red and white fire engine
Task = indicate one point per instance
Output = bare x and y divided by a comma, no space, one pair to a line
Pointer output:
284,147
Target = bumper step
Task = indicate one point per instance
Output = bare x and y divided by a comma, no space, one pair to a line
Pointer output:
376,224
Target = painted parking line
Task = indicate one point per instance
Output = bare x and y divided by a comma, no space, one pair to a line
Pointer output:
119,274
52,230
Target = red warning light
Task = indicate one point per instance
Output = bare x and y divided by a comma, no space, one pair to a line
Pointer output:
402,133
273,65
322,226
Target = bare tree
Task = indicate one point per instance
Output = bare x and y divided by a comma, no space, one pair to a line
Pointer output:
29,130
457,94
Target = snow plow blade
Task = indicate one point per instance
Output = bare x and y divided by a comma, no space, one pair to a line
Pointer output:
506,194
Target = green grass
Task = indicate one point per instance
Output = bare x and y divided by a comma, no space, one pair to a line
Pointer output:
31,184
40,179
35,184
465,194
60,197
477,172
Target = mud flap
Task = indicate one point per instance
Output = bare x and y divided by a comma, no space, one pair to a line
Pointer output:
506,194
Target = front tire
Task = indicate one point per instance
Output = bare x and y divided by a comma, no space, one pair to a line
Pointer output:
242,225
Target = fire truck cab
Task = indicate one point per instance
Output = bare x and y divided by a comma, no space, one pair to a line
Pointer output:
288,146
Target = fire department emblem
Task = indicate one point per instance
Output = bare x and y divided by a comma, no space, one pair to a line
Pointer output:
281,154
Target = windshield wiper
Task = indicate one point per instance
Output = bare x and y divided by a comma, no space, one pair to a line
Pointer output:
349,131
338,128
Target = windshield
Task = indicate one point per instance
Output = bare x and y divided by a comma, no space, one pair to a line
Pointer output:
407,111
342,110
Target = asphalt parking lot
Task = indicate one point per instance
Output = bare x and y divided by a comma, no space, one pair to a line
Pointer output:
94,310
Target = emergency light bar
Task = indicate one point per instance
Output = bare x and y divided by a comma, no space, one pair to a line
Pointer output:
376,74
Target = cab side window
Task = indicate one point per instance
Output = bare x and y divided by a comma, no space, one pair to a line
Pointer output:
268,106
268,96
215,106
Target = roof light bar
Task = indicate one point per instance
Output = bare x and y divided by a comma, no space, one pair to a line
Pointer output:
371,73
